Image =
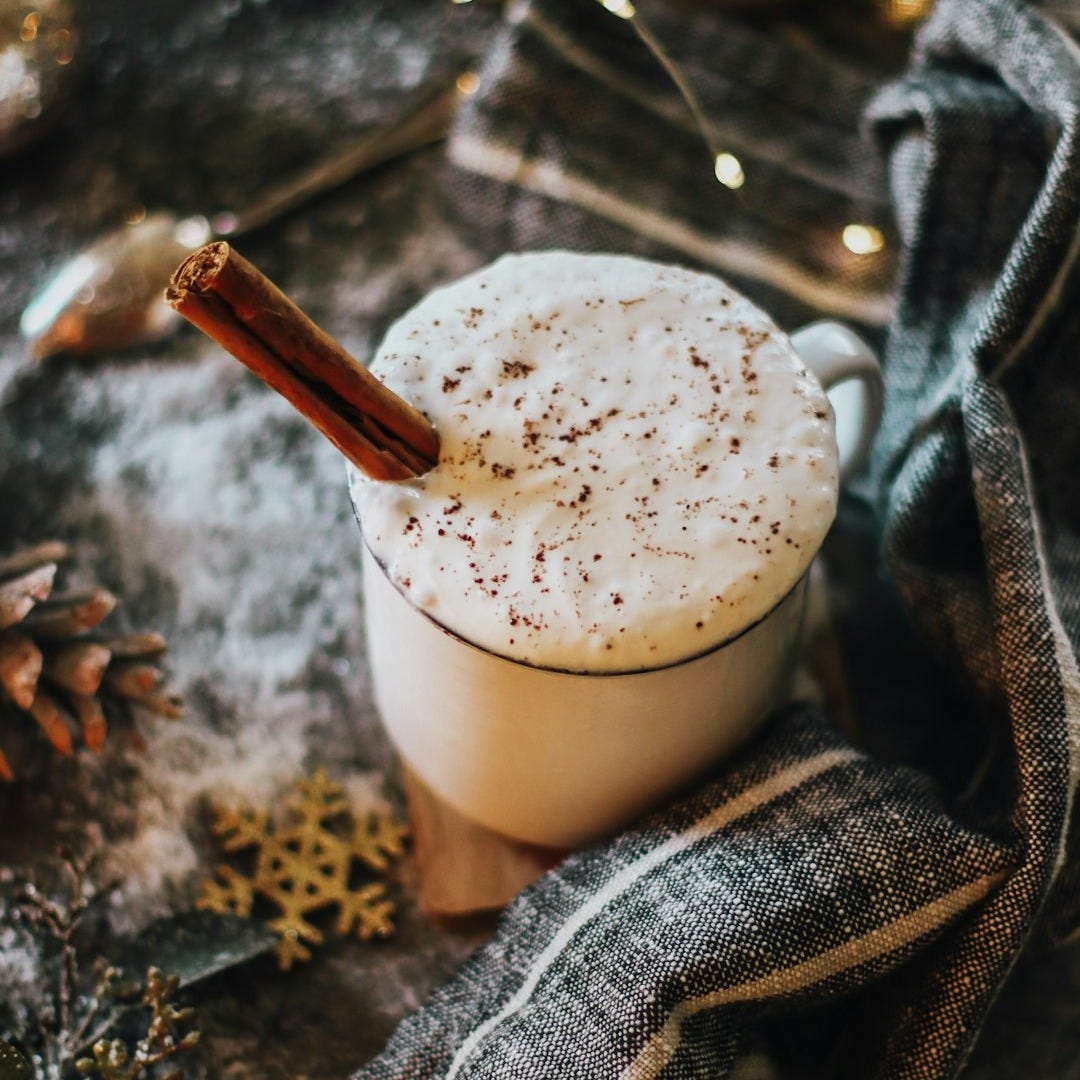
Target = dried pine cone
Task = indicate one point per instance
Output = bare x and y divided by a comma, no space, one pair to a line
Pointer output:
56,667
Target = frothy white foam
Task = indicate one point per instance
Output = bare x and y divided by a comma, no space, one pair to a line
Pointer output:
635,464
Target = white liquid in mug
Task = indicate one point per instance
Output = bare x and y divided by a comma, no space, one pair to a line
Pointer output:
635,465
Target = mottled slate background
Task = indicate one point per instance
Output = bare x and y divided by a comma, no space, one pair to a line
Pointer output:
223,520
218,515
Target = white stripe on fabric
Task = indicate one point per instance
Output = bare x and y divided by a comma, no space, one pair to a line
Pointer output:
898,934
504,163
1064,12
1051,301
752,799
1063,650
1052,298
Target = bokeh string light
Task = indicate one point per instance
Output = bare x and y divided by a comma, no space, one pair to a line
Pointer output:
904,14
729,171
863,239
61,39
858,239
726,166
468,82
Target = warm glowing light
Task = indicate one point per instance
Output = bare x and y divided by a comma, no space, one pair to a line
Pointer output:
64,47
623,8
863,239
468,82
193,232
905,13
30,26
729,171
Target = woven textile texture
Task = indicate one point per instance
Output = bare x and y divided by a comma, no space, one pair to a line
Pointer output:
812,875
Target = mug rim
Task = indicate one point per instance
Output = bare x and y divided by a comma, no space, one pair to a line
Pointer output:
611,674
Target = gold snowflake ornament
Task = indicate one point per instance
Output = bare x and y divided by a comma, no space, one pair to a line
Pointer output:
307,864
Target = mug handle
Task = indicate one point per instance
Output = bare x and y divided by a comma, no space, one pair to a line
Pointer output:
851,375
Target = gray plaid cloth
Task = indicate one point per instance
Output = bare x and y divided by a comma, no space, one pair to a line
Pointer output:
814,878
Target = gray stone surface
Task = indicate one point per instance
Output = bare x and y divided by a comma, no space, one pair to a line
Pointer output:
223,520
217,514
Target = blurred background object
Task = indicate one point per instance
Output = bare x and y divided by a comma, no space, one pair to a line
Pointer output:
39,43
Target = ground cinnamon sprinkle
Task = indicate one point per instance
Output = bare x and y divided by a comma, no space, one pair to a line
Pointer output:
674,421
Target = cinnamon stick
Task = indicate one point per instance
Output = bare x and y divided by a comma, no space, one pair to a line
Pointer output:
240,308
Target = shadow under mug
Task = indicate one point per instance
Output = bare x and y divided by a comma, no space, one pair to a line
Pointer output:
560,758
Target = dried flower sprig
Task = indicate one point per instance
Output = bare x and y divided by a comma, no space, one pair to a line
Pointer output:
73,1009
62,1027
164,1039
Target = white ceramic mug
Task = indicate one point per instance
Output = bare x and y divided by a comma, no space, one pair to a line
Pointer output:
560,758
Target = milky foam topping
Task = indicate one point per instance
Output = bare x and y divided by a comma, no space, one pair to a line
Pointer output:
635,465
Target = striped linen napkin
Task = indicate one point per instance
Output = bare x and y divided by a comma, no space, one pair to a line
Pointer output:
812,877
